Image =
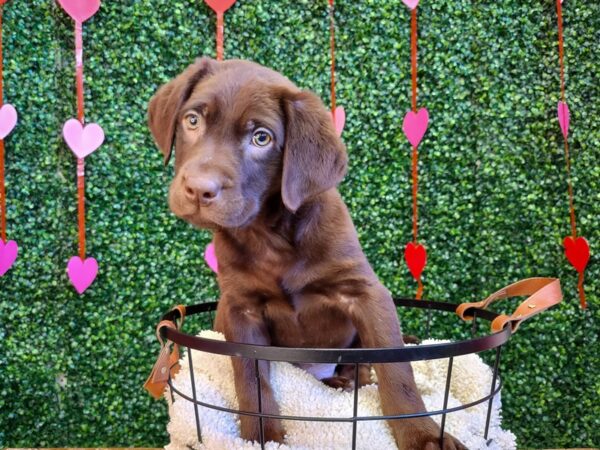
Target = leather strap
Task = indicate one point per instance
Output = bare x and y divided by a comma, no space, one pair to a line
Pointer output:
181,310
167,363
543,293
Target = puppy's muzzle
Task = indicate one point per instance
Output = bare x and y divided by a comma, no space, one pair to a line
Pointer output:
202,190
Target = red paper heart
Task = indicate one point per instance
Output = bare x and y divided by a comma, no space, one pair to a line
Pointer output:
220,6
577,252
80,10
416,258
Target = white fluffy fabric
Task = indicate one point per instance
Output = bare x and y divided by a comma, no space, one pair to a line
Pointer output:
299,393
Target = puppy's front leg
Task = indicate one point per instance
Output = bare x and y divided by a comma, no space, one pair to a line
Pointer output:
374,316
242,323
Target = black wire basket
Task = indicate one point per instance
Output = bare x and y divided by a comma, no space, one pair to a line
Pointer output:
169,331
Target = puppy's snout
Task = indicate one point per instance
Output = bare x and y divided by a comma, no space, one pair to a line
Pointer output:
203,190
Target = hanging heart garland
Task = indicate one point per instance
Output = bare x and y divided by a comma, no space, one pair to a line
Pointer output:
82,140
8,120
338,113
219,7
414,126
577,249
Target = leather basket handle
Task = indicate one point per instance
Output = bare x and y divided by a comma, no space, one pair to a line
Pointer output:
543,293
167,362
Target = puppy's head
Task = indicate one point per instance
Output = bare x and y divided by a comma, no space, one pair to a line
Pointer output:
241,133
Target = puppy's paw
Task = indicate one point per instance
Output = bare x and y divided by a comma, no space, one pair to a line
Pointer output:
339,382
250,429
410,339
274,431
423,434
449,443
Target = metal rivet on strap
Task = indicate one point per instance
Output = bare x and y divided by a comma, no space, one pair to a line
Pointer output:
531,306
163,370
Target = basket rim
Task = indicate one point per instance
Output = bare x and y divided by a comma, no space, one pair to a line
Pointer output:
495,391
344,355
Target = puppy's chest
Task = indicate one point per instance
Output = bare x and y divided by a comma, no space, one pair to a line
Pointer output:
272,261
306,321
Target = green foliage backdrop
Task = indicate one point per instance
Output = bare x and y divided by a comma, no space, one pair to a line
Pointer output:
493,198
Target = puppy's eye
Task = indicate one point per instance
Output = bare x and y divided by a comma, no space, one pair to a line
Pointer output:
192,121
262,137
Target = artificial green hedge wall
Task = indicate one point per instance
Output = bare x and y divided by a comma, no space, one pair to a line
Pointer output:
493,204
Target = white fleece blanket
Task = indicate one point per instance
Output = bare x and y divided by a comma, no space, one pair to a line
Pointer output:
299,393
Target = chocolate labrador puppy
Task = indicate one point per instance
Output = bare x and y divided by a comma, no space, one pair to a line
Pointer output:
258,162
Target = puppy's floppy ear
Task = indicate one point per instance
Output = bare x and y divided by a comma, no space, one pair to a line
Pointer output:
314,158
165,104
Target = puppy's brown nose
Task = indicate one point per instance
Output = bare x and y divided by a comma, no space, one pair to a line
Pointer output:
202,189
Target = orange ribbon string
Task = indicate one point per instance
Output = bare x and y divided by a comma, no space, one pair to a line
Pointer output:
413,56
419,293
2,193
220,37
415,153
561,49
80,117
415,190
561,58
332,45
2,188
582,300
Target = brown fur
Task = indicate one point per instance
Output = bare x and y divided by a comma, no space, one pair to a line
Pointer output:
291,270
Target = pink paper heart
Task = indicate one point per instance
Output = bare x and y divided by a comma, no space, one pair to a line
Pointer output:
415,125
8,255
220,6
82,140
563,118
80,10
82,273
211,258
412,4
339,119
8,119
